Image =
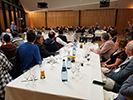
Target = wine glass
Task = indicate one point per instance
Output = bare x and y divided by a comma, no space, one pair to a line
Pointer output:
26,74
33,75
73,70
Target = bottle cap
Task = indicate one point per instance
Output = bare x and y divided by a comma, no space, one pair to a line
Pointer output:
63,59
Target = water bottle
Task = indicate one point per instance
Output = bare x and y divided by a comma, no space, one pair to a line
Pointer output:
68,61
64,72
74,51
75,43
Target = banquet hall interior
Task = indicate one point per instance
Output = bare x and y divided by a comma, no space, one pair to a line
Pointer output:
87,26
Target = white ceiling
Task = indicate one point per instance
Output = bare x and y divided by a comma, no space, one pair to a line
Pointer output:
55,5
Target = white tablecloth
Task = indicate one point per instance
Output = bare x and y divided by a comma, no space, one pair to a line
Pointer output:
52,88
99,32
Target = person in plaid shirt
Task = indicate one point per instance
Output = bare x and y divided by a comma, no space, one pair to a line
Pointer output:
5,77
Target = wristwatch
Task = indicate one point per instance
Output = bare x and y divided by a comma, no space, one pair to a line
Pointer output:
105,65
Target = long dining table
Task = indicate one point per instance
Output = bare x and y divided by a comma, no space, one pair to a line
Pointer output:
78,87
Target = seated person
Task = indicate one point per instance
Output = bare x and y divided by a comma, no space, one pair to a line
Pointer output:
126,90
60,40
7,32
97,27
105,28
28,53
82,30
50,44
78,29
106,49
7,47
91,30
109,29
118,56
5,78
17,40
44,53
114,79
112,35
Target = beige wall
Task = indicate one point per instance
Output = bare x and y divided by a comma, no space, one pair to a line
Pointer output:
66,18
35,19
103,17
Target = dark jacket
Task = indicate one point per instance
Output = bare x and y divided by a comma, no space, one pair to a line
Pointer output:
120,76
44,53
62,37
51,45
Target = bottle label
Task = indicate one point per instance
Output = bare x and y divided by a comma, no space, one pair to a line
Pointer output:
64,76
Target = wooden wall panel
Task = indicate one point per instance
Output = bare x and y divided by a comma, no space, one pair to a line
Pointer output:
124,15
65,18
103,17
2,21
35,19
8,20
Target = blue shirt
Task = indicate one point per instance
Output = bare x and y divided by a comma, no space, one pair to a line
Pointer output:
13,27
2,35
29,55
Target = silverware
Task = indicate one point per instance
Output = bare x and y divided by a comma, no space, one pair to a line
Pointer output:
28,80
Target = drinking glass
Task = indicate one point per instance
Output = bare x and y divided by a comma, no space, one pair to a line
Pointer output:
26,75
33,75
73,70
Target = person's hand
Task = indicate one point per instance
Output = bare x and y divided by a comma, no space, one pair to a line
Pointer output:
103,64
98,51
128,22
106,71
91,49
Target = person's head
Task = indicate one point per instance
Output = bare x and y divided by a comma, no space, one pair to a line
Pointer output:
112,33
60,31
14,33
104,37
8,30
6,38
39,39
51,34
121,43
104,27
31,36
40,33
96,23
129,48
13,23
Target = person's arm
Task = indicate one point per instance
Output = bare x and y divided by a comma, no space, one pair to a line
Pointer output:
123,73
127,88
103,63
60,41
106,48
117,62
55,47
37,55
129,24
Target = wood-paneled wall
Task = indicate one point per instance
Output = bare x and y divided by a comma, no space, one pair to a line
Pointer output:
124,15
35,19
88,17
2,21
103,17
65,18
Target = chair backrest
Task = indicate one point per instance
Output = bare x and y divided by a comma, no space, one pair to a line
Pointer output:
10,53
16,71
